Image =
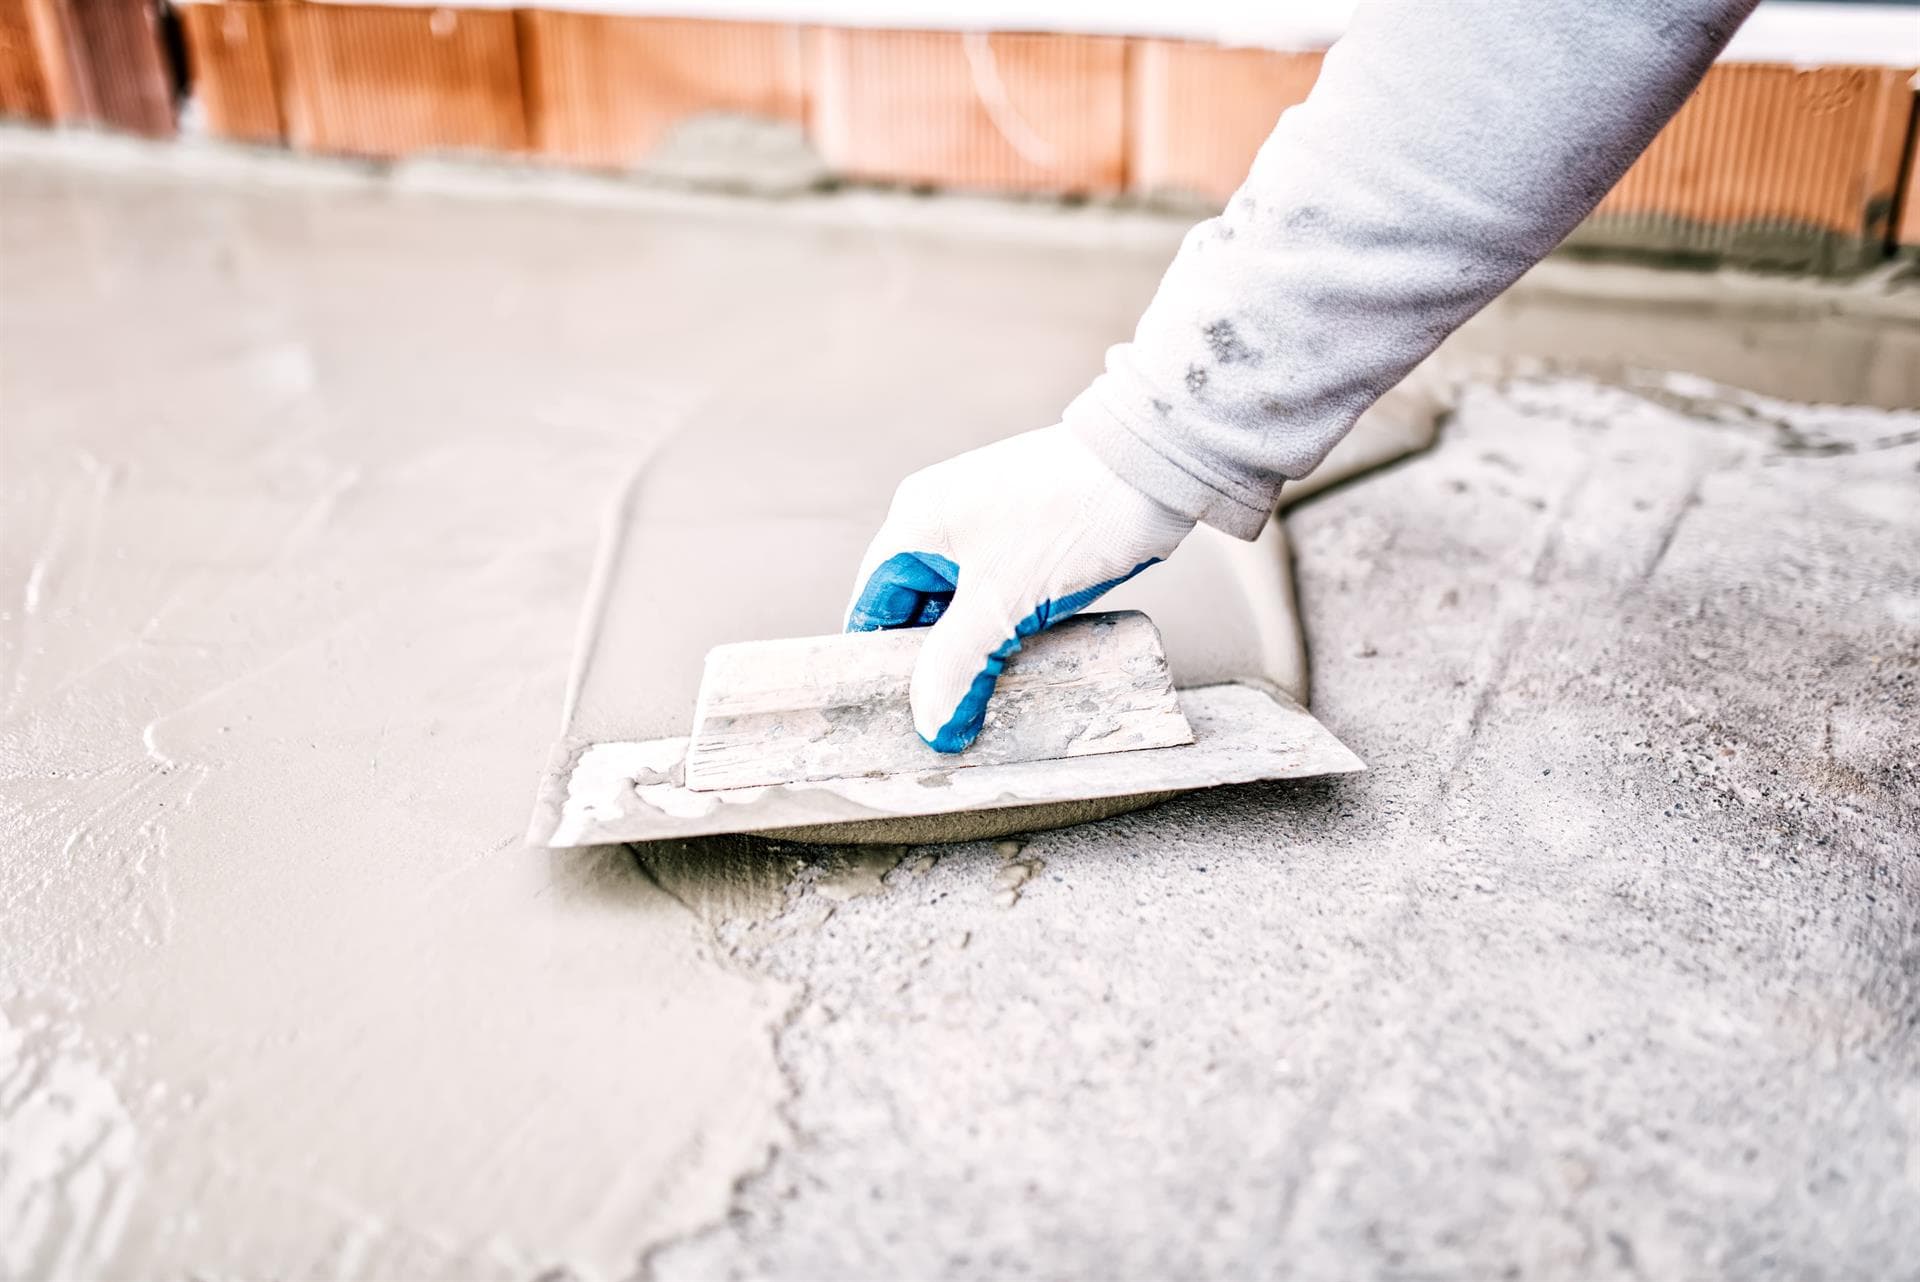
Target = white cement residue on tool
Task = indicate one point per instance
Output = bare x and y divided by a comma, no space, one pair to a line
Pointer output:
1240,734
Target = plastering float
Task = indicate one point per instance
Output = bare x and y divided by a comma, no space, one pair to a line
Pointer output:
813,709
792,735
679,574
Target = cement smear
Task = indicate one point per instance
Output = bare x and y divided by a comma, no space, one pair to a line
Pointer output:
292,535
300,482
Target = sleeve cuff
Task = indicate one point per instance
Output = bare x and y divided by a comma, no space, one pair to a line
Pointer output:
1161,477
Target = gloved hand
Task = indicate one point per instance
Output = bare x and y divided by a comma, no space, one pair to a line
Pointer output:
991,547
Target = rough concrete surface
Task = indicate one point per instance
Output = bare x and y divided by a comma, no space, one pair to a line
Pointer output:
1605,968
1608,966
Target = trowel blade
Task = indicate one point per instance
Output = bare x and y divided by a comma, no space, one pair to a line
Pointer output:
836,707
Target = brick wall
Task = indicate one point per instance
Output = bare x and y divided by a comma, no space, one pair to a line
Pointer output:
1802,167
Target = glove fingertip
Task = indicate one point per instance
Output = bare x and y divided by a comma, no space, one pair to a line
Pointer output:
963,725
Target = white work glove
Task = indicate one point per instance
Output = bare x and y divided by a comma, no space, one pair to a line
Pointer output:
995,545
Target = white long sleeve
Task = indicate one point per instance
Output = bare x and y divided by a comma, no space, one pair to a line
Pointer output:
1447,147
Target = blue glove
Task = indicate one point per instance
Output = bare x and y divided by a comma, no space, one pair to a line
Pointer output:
991,547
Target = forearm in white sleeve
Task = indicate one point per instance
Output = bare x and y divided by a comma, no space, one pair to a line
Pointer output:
1447,147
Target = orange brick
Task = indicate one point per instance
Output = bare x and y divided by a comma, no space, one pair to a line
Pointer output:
604,89
23,86
1198,113
1018,111
1908,232
102,62
375,81
1769,163
230,54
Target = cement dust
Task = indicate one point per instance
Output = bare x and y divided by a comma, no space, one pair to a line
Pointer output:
858,871
1011,878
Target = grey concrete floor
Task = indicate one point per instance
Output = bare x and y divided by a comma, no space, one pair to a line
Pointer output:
1608,966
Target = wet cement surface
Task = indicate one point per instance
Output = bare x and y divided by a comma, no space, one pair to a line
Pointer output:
1606,966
